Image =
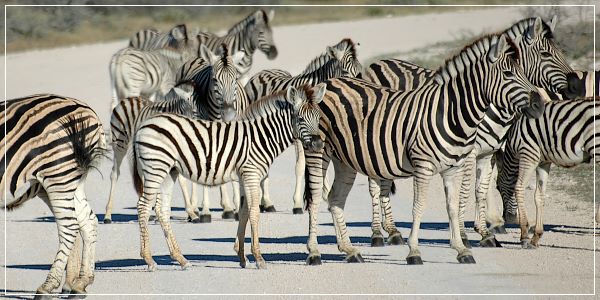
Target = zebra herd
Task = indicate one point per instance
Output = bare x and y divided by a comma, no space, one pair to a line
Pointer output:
186,105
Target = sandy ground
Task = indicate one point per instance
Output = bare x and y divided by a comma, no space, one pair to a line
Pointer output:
563,264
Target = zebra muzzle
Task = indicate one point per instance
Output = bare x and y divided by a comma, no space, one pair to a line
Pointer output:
536,106
575,87
315,143
272,52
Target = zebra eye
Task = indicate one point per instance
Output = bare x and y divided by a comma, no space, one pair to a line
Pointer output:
545,54
508,74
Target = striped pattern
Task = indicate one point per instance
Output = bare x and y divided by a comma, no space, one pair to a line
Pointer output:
388,134
251,33
125,119
152,39
338,60
136,73
213,153
563,136
544,65
51,143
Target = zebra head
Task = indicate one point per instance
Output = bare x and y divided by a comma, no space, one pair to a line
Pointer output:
262,35
223,85
305,101
506,84
345,53
543,61
178,40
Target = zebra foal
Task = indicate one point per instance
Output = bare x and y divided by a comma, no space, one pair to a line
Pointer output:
51,143
213,153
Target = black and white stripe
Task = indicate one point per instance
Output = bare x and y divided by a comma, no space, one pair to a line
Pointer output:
563,136
388,134
213,153
51,142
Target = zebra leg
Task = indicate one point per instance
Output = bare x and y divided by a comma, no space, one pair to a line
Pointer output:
144,206
300,166
394,235
226,204
88,224
266,203
464,195
317,168
526,169
163,213
68,230
205,213
423,174
374,190
241,232
344,179
253,194
118,155
540,193
73,266
451,177
190,209
487,208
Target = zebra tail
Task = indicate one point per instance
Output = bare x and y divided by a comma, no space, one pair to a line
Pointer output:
112,69
307,194
86,154
137,180
393,188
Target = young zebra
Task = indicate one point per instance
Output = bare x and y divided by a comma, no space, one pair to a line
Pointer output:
544,65
128,115
48,145
151,39
214,153
563,136
253,32
136,73
219,96
388,134
338,60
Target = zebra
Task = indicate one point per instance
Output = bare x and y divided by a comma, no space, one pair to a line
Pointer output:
544,65
137,72
128,115
388,134
563,136
213,153
152,39
337,60
49,143
219,96
251,33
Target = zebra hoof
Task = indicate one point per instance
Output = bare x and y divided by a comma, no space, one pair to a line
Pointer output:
355,258
396,240
262,208
466,259
236,216
107,221
377,241
77,295
313,260
152,268
195,221
228,215
500,229
298,211
42,297
466,243
414,260
205,219
186,266
489,242
526,244
270,209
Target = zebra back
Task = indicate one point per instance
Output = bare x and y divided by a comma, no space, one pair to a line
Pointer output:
338,60
218,95
176,39
50,140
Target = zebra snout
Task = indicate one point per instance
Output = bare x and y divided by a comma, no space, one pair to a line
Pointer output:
575,87
536,106
316,143
272,52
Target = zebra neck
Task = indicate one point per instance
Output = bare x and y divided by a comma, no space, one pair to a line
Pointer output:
244,40
274,133
462,106
326,71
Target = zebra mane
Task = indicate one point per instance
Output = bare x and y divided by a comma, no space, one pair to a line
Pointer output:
324,58
250,19
523,25
471,53
273,103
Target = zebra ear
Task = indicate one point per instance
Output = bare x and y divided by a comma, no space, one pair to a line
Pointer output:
498,49
207,55
179,32
292,97
319,92
535,30
553,23
184,91
334,52
271,15
237,60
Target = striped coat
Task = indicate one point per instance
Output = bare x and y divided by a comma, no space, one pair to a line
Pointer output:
51,142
